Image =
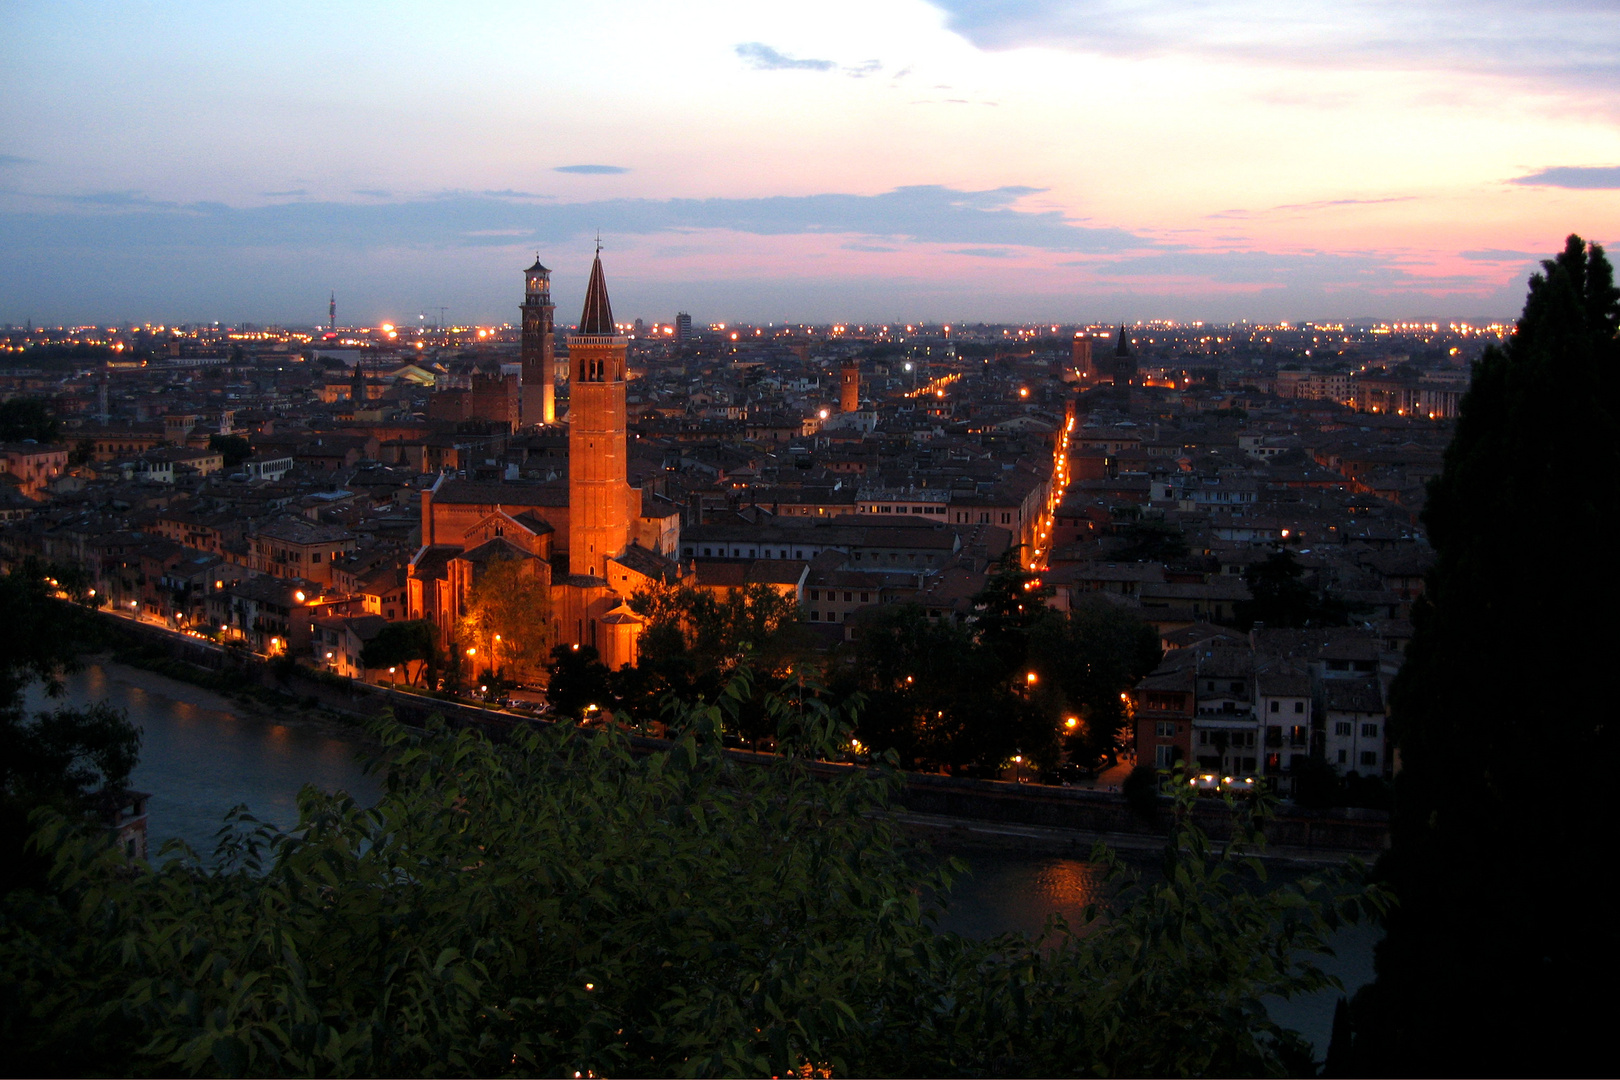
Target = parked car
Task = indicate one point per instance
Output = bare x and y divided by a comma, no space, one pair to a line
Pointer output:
1205,784
1241,787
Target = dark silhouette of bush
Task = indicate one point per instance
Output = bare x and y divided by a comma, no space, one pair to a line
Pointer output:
1316,785
1141,790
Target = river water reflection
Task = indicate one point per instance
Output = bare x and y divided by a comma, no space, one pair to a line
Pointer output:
200,756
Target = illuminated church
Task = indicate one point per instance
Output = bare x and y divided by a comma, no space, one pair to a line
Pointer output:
594,539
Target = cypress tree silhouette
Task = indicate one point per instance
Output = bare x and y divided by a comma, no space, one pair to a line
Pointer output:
1507,927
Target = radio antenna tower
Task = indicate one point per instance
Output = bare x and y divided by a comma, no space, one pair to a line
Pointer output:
331,314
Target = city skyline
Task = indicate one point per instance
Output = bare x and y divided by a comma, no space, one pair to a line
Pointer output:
942,161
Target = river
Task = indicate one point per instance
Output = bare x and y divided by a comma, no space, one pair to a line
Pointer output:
202,755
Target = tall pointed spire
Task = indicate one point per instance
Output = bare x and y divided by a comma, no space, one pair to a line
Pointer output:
1123,347
597,318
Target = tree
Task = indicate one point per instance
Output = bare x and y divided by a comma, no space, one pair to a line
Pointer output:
57,758
933,696
1500,701
235,448
1282,597
403,644
694,638
1151,541
558,903
1009,606
26,418
1093,655
508,616
577,679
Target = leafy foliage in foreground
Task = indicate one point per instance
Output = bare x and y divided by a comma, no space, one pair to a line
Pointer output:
558,904
60,757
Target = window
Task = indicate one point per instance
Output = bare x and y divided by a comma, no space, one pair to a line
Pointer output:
849,598
1164,729
815,594
1006,518
1297,735
1344,756
1164,757
1299,706
815,616
1276,706
1369,731
1342,727
863,598
1237,688
1369,757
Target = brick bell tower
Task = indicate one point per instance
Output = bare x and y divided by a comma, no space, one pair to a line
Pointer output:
599,495
539,402
849,385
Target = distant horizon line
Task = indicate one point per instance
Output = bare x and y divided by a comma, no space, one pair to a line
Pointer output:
290,326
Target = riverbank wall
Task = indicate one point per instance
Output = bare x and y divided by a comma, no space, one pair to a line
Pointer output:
1338,831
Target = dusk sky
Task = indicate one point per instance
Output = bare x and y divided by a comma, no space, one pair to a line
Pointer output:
1003,160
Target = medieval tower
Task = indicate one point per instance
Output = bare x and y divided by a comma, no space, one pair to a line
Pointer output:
1124,360
539,402
599,494
849,387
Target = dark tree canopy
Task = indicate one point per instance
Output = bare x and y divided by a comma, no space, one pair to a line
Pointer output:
932,694
235,448
577,679
1022,681
695,637
404,644
1093,655
26,418
1151,541
558,904
1506,736
1283,596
